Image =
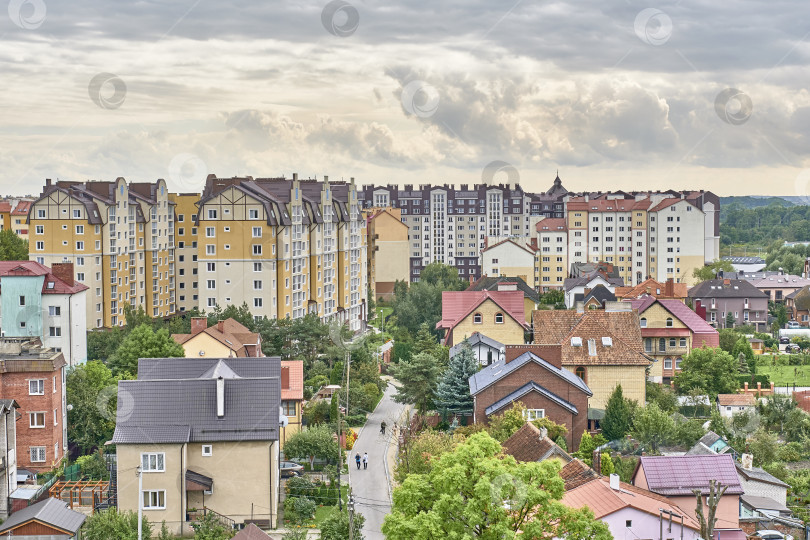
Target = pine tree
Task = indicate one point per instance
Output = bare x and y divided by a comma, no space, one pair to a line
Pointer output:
618,416
453,390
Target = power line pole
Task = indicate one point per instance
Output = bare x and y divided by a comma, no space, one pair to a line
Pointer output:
139,474
351,517
348,358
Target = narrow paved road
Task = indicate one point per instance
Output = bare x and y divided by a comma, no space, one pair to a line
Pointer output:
370,486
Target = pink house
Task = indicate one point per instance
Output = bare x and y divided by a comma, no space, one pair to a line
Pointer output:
675,477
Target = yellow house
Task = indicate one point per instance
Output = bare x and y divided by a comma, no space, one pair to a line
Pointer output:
387,244
203,434
496,314
530,296
225,339
292,397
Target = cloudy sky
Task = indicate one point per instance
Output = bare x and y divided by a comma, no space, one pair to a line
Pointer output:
616,95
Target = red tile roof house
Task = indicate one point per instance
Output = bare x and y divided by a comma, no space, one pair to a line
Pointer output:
499,315
537,379
632,512
675,477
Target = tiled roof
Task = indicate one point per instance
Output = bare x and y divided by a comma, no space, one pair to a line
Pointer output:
527,444
666,203
500,369
485,283
801,298
575,473
251,532
195,368
33,268
524,247
679,475
704,333
551,327
473,340
22,208
604,501
457,305
651,287
736,400
296,370
52,512
718,288
584,281
5,207
234,335
758,474
552,225
527,388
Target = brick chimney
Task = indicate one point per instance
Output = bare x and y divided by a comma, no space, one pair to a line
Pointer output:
221,327
285,377
669,288
198,324
63,271
726,282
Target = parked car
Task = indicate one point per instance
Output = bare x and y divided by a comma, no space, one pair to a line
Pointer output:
793,325
290,469
771,534
784,340
793,348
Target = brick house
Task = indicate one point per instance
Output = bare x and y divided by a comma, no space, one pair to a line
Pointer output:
537,379
34,377
797,304
739,297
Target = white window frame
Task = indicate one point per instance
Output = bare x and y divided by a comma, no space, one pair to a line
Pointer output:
153,495
32,449
207,450
159,462
534,414
40,383
36,425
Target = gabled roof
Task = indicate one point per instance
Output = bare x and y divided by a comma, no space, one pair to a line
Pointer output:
52,512
498,370
758,474
679,475
296,373
476,339
524,247
198,368
705,334
604,501
552,225
651,287
486,283
736,400
726,288
584,281
51,283
233,335
575,473
526,389
601,294
528,444
458,305
251,532
22,208
801,298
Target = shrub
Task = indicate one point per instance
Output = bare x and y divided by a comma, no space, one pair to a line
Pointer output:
790,452
300,486
295,534
554,430
299,510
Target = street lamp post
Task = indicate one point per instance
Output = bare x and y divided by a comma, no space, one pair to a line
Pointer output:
139,474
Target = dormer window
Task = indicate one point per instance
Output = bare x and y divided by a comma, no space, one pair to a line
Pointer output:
591,347
478,318
643,322
499,318
576,342
607,341
669,322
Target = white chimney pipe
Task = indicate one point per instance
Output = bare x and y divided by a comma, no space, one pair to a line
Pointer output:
220,397
614,481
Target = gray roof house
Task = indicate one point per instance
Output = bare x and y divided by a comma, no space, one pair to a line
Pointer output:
719,297
49,519
188,424
486,350
757,482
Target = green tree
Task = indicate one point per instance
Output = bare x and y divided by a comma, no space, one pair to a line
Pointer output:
336,526
710,370
728,339
652,426
420,453
210,528
554,431
776,411
12,247
618,416
314,442
91,392
477,492
417,378
114,524
606,465
453,390
709,271
730,320
763,446
102,343
587,445
135,317
504,425
143,342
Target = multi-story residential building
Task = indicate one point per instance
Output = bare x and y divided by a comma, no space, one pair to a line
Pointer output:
509,258
34,377
186,235
284,247
44,303
19,218
387,246
8,452
720,297
671,330
553,251
205,434
119,236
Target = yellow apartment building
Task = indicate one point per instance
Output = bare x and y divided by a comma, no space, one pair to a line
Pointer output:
387,248
120,237
551,256
186,233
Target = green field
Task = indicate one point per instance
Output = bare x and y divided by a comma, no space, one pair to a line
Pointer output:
786,375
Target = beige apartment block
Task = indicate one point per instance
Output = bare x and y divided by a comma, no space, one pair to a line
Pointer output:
387,250
551,257
119,236
186,236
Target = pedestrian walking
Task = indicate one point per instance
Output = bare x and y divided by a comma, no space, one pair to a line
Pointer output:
382,428
365,460
357,460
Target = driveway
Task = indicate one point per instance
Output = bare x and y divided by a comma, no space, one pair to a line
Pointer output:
370,487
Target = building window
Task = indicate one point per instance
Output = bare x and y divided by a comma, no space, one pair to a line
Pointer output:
207,450
212,214
499,318
669,322
288,408
257,232
534,414
257,249
648,345
37,454
643,322
153,462
54,311
36,419
667,363
628,523
257,302
478,318
36,387
683,342
580,372
678,363
55,331
253,214
154,500
22,300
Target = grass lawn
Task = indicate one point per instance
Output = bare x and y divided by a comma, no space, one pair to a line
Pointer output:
786,375
386,311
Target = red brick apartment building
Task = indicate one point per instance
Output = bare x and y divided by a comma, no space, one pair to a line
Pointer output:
34,376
